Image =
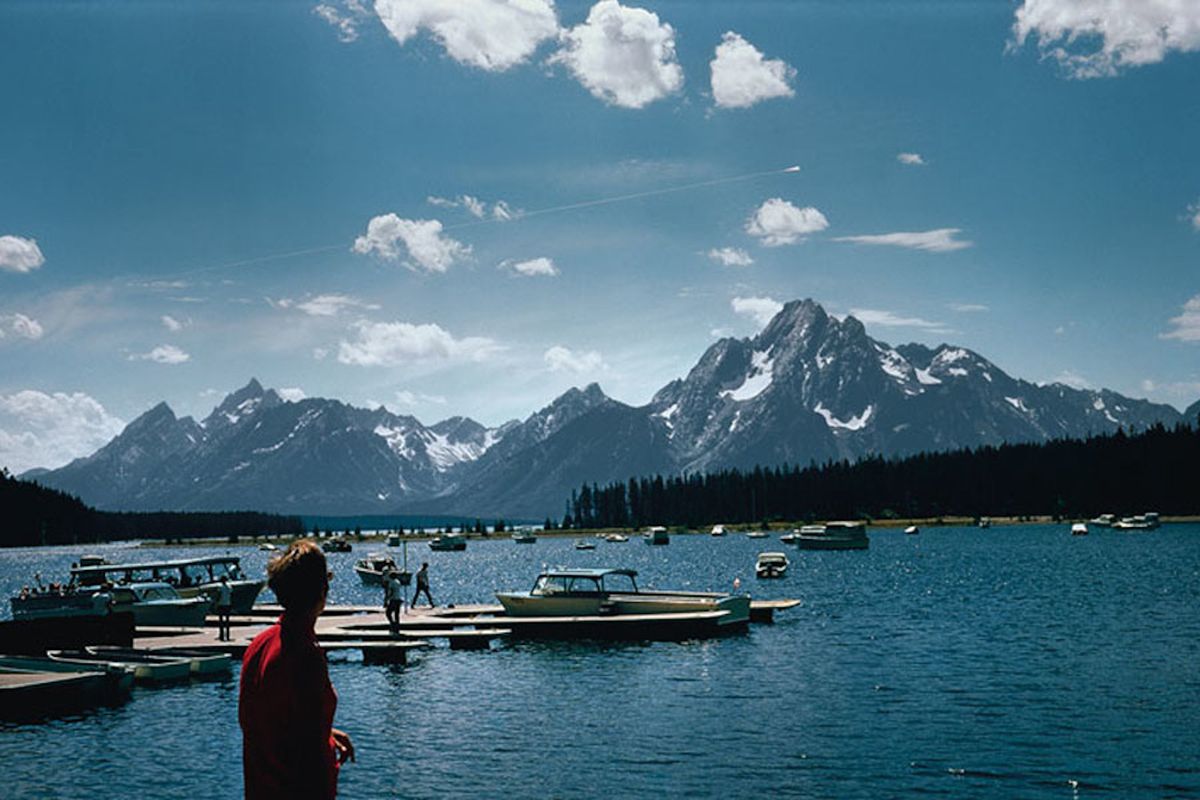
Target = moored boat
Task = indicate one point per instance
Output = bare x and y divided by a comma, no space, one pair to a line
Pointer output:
834,536
1103,521
447,542
372,569
771,565
656,535
584,544
524,537
985,522
1139,522
201,663
757,535
717,530
1079,529
158,604
616,538
146,669
191,577
912,530
338,544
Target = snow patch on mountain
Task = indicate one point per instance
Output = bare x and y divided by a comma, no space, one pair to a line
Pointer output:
852,424
757,380
924,377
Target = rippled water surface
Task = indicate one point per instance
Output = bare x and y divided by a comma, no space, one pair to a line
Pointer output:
1011,662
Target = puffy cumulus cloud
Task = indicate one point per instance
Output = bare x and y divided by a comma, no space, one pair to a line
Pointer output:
394,343
292,394
941,240
1099,38
562,359
778,222
427,249
912,159
20,326
872,316
346,21
624,56
730,256
20,255
49,430
761,309
492,35
531,268
163,354
741,76
1186,327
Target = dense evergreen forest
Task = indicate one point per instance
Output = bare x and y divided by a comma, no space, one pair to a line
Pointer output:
1156,470
36,515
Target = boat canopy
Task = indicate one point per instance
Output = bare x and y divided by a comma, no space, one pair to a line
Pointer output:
88,575
587,573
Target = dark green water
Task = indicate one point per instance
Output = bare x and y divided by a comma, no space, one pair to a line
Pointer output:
1012,662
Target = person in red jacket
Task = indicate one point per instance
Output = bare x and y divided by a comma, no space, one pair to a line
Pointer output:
290,748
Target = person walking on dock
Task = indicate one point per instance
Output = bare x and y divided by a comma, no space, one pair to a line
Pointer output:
423,585
393,598
286,702
224,608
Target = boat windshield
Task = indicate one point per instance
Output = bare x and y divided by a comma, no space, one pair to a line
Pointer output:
550,584
160,593
618,582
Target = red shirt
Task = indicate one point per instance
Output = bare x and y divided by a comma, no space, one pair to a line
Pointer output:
285,708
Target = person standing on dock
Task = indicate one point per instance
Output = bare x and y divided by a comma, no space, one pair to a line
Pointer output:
393,598
224,608
423,585
286,702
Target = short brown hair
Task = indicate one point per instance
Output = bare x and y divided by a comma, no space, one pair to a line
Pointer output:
298,575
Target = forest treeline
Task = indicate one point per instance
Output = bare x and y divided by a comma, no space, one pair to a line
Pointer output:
1155,470
34,514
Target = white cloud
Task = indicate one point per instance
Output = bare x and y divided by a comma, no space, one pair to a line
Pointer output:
1060,330
292,394
912,159
20,255
731,256
323,305
1073,379
394,343
761,309
163,354
561,359
1194,215
871,316
936,241
1148,385
345,23
1099,38
1186,327
21,326
501,211
741,76
408,398
967,308
492,35
778,222
622,55
532,267
423,241
172,324
49,430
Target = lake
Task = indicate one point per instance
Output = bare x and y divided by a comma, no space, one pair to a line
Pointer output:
1009,662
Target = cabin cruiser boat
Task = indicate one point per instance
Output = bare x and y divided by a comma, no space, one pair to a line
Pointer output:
656,535
771,565
524,537
47,604
804,530
448,541
718,530
1079,529
584,544
834,536
601,592
158,604
191,577
1140,522
374,568
1103,521
338,544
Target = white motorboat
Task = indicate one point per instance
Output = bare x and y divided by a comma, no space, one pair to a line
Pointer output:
912,530
146,668
268,547
191,577
616,538
656,535
1103,521
447,542
393,540
338,544
1079,529
524,537
372,569
585,544
1139,522
757,535
771,565
596,592
158,604
834,536
985,522
717,530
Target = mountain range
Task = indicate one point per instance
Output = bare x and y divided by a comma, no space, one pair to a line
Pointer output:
809,387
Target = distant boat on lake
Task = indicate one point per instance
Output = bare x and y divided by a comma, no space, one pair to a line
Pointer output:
834,536
1079,529
912,530
448,542
656,535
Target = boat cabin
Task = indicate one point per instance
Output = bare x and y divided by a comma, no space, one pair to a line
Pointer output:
584,581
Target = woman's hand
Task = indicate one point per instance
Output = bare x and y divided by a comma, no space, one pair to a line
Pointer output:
343,745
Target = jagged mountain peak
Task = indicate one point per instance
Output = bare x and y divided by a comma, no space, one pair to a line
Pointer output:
242,403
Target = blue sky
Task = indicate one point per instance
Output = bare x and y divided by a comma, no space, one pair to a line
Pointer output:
197,194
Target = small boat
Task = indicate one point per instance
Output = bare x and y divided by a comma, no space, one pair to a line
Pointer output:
338,544
374,567
159,604
393,540
1135,523
584,544
1079,529
597,592
790,538
616,538
146,668
447,542
834,536
191,577
201,663
757,535
912,530
656,535
1103,521
524,537
268,547
985,522
771,565
717,530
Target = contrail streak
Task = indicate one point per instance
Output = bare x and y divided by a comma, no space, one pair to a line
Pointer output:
515,217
